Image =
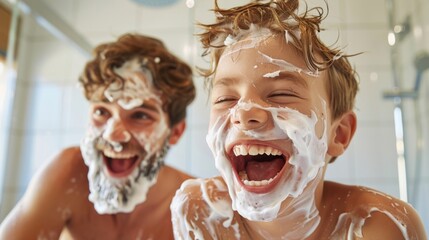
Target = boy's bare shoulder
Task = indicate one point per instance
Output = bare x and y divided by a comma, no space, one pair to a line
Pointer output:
197,194
195,188
372,214
202,209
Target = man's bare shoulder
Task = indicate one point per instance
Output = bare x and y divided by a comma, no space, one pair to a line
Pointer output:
168,172
67,166
56,190
372,214
61,179
71,157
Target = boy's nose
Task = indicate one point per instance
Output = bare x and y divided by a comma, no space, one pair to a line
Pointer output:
253,118
116,131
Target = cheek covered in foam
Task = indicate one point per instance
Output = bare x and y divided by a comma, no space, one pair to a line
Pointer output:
138,88
113,195
303,169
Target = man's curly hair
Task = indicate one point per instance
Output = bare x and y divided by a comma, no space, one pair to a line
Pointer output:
171,76
281,16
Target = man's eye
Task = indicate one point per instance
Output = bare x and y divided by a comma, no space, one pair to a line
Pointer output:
140,116
100,112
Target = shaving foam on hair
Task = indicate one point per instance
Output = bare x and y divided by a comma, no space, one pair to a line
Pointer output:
246,39
138,86
285,66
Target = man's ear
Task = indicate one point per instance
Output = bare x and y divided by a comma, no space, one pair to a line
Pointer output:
177,131
342,133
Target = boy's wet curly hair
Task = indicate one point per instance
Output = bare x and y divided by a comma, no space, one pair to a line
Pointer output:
171,76
280,16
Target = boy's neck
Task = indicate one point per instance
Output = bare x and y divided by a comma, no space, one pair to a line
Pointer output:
290,222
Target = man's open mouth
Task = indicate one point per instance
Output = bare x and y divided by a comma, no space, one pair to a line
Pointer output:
119,165
257,166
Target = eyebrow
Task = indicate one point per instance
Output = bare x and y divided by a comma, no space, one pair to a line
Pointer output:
150,107
296,78
289,76
225,81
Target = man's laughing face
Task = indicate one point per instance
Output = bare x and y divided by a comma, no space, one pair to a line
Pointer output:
126,142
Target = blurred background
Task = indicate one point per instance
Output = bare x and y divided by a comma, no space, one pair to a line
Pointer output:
45,43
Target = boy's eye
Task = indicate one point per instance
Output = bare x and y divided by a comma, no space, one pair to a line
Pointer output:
224,99
287,94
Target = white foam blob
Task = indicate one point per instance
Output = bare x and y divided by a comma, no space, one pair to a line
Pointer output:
350,224
218,210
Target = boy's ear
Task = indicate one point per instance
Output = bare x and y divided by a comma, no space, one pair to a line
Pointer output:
342,133
177,131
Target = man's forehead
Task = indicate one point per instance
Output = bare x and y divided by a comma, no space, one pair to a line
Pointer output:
130,93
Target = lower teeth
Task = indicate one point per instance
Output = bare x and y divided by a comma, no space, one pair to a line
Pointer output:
247,182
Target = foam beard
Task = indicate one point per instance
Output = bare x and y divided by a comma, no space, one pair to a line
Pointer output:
110,195
303,167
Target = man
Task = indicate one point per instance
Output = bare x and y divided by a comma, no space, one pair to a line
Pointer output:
281,110
115,186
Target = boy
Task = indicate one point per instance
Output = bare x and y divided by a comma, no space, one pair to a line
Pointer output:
281,110
115,186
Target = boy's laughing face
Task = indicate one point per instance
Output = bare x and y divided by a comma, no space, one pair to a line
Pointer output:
269,126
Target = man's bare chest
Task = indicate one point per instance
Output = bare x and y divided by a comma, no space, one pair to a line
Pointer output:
92,225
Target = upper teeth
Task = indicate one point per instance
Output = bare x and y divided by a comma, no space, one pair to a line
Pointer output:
111,154
243,150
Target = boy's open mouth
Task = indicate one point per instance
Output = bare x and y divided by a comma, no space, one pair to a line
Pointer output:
257,166
119,165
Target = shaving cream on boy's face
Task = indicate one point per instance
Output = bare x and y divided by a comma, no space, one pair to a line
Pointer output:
268,131
127,141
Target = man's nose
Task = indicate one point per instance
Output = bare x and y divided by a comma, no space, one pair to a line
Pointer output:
248,119
116,131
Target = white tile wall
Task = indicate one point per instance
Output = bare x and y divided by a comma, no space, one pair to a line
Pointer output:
46,110
105,16
370,105
75,108
58,112
178,156
202,162
375,152
366,13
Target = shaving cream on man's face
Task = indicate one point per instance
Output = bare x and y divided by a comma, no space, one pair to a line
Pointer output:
126,144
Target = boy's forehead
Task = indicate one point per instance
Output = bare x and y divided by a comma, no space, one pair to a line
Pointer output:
261,49
270,58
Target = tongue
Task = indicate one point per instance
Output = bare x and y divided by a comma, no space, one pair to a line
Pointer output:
121,165
263,170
